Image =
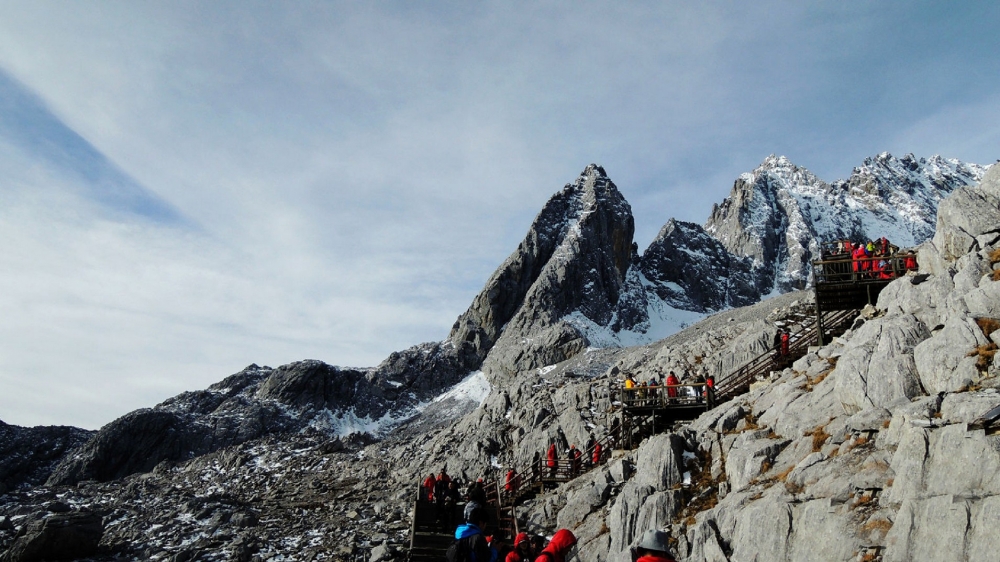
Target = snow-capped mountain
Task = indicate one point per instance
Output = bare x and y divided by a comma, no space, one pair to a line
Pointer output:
574,283
572,262
762,239
779,213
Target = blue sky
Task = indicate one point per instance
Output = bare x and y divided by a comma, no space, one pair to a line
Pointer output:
188,188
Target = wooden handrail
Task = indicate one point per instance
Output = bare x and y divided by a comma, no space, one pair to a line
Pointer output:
735,383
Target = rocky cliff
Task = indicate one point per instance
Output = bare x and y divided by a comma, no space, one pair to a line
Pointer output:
261,401
779,213
28,455
574,259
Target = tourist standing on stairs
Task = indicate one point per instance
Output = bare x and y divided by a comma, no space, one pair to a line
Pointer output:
428,486
523,551
672,383
628,395
470,539
560,548
552,459
513,482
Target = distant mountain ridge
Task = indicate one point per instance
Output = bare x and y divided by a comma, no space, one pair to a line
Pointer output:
575,282
779,213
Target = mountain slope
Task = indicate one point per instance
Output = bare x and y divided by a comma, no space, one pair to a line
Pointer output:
574,259
779,213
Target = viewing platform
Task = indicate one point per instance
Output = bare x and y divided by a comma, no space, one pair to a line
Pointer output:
842,282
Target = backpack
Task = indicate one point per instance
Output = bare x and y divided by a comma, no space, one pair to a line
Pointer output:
459,551
464,550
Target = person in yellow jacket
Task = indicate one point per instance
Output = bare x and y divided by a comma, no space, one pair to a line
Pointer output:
629,393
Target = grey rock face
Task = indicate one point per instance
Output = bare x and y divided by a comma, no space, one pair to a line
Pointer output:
28,455
748,455
944,528
877,368
928,300
968,220
68,536
307,395
690,270
759,541
574,259
944,362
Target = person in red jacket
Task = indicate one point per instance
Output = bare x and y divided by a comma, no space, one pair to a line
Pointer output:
428,485
512,482
522,549
858,255
597,454
552,458
559,547
710,391
672,390
910,262
654,547
785,337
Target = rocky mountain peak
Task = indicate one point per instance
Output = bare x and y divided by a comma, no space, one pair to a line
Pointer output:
574,259
777,214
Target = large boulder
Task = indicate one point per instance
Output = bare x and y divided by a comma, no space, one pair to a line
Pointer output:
877,368
969,219
946,362
926,297
61,536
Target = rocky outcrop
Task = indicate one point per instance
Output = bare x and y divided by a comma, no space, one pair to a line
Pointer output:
966,222
877,368
690,270
778,214
28,455
574,259
61,536
260,401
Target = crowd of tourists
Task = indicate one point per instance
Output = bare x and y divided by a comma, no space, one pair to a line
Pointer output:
472,544
874,259
661,392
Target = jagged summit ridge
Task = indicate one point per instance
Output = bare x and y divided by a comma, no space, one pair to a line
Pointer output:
574,259
574,282
778,213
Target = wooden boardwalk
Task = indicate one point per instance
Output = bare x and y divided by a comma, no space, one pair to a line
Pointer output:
840,293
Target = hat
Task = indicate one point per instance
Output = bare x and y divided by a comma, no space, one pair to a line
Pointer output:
655,540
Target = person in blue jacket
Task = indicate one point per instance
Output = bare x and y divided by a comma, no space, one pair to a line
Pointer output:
471,543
